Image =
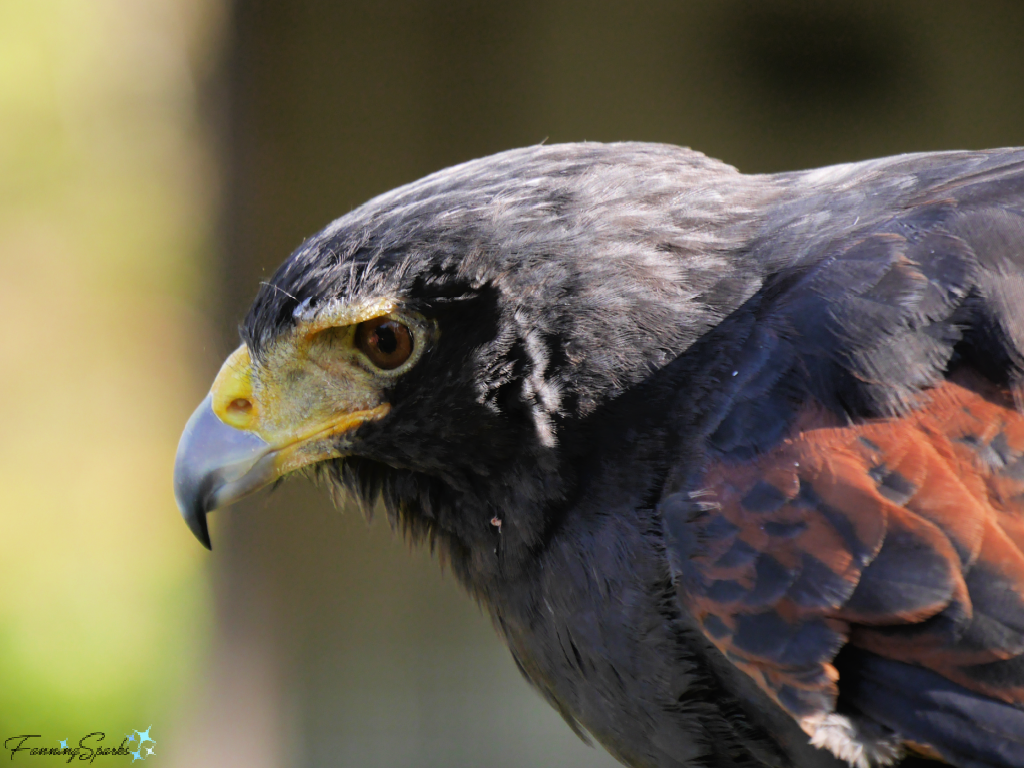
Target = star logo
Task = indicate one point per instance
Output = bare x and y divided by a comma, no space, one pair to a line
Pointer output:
140,738
130,736
63,743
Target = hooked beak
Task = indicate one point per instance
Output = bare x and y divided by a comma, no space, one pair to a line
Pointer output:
217,464
248,432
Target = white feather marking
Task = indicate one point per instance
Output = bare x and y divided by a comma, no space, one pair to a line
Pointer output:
860,743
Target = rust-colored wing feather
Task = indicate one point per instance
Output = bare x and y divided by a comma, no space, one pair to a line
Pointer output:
902,536
847,526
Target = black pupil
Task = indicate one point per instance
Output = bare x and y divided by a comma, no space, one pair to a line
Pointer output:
386,340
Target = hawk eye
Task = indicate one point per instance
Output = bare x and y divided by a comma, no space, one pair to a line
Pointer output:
386,342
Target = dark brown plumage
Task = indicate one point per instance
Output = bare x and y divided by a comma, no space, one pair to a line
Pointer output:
736,463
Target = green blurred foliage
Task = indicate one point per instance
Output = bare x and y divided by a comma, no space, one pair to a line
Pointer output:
106,200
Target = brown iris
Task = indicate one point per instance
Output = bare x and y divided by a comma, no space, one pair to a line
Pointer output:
386,342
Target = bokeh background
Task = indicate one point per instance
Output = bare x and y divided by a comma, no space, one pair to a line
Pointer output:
160,157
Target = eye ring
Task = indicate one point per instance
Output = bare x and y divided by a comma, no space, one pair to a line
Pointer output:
386,342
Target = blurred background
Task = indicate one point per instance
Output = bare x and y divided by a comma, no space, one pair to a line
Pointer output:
158,158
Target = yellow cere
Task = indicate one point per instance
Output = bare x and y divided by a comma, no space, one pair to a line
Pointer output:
232,388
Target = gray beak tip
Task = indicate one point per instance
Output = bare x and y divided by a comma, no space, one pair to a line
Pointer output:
196,522
216,465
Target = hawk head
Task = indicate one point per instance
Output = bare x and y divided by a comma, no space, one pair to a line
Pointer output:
449,346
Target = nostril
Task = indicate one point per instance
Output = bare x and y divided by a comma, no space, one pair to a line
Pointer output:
240,407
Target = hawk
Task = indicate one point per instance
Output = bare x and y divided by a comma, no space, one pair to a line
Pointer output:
735,462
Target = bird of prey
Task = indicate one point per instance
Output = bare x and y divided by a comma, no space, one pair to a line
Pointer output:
735,462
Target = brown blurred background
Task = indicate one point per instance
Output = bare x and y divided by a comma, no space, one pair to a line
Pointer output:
158,158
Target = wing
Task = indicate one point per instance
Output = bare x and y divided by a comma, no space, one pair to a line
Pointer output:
854,536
